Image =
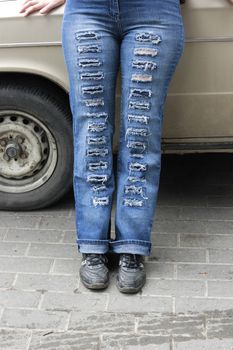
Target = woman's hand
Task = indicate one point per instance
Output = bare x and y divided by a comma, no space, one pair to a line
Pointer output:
43,6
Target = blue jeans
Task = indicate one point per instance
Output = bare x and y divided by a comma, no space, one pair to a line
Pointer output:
145,38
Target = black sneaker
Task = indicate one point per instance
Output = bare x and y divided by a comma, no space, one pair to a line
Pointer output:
94,272
131,275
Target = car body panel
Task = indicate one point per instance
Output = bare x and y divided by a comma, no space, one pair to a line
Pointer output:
198,112
199,104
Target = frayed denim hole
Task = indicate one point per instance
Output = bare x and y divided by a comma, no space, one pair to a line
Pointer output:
148,36
100,201
101,140
86,35
94,102
140,105
97,152
96,127
100,165
144,65
133,203
98,75
92,89
85,49
142,93
138,118
137,167
145,51
141,78
89,62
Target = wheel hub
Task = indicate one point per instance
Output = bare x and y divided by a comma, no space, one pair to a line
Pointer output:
12,150
27,152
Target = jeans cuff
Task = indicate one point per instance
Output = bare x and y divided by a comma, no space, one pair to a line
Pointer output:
131,246
93,246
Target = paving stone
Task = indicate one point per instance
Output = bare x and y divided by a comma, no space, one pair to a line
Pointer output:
220,289
56,222
46,282
194,199
203,213
218,190
53,250
163,213
67,266
180,226
177,254
159,270
134,342
18,221
102,322
12,339
221,256
135,303
220,325
64,341
188,304
18,298
74,301
2,233
70,236
171,198
167,240
73,213
24,264
220,201
210,344
206,241
6,279
174,288
205,271
34,319
13,248
33,235
219,227
175,326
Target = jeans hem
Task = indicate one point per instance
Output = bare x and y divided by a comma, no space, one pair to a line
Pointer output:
131,247
93,246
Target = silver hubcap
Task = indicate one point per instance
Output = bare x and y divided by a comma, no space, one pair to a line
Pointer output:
28,152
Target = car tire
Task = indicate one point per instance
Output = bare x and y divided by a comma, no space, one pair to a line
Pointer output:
36,147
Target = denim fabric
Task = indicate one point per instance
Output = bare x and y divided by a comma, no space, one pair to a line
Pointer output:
145,39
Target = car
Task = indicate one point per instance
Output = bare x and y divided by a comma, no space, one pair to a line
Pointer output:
36,150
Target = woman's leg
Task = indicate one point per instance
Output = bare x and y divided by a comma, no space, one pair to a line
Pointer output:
91,52
152,45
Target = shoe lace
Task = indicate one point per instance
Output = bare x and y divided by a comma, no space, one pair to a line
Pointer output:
95,259
131,260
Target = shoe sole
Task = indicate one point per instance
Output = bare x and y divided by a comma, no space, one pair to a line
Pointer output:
95,286
130,290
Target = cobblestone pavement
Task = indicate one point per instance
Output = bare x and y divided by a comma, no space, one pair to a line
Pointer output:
187,302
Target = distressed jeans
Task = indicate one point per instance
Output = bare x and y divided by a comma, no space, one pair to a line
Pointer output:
145,39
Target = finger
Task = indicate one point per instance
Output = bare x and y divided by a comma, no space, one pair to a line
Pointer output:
29,3
49,7
25,3
32,9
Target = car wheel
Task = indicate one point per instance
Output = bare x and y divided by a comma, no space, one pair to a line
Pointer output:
36,151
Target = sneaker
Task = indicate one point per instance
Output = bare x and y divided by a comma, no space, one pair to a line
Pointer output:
131,275
94,272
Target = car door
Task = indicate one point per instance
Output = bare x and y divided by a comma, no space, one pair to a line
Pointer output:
199,106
